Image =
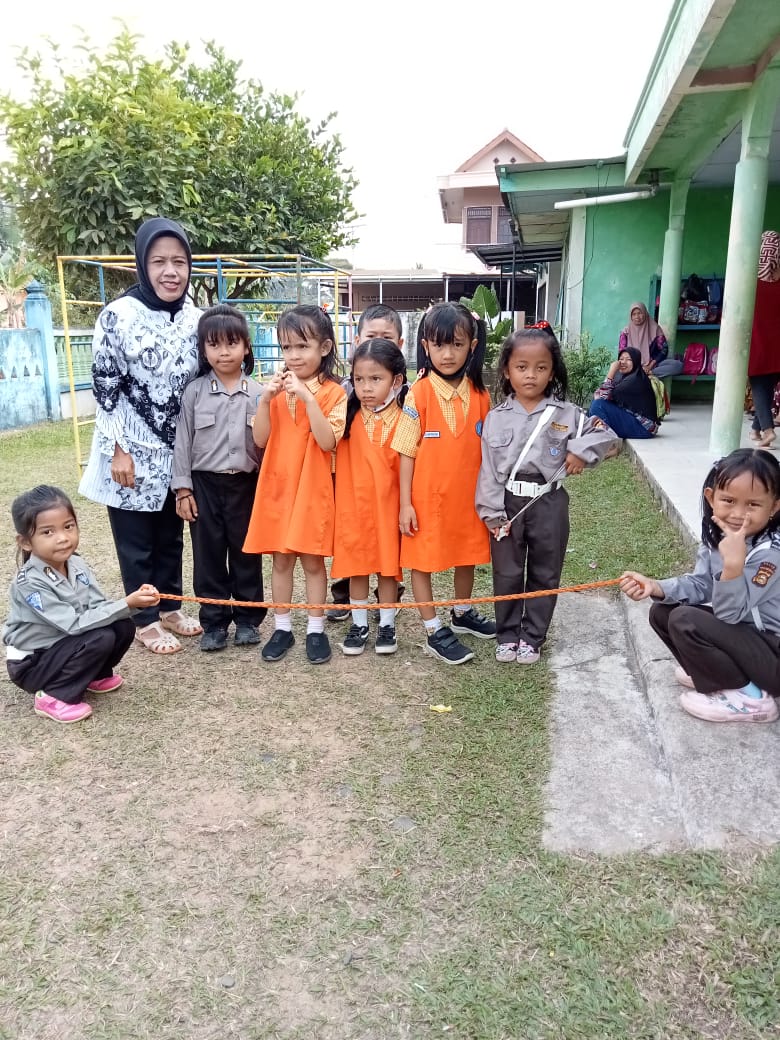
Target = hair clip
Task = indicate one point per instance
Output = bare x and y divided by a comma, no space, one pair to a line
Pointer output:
541,325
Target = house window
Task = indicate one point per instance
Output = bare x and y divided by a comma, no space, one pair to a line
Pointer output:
478,221
504,228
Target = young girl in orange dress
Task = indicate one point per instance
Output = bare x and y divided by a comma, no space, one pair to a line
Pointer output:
299,421
438,439
367,539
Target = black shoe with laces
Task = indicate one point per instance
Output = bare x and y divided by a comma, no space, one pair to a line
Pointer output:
474,624
317,648
355,640
445,645
214,639
385,640
278,645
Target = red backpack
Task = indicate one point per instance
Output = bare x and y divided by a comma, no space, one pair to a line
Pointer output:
712,362
695,360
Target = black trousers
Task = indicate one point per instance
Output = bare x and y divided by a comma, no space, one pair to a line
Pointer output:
149,548
65,669
528,559
718,655
222,570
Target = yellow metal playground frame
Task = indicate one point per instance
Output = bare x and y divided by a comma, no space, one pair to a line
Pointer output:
224,269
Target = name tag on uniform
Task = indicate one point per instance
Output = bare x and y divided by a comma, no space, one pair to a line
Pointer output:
431,433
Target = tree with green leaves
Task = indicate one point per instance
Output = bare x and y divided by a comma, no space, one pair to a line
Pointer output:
97,150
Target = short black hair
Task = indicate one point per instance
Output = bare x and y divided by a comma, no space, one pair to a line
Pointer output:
379,311
224,322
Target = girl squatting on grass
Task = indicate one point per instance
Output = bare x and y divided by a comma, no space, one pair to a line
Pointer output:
530,442
299,421
368,539
63,637
722,622
438,438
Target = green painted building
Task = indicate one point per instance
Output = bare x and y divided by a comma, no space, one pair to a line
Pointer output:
698,183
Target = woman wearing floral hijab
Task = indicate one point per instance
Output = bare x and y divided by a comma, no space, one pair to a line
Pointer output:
644,334
764,361
144,354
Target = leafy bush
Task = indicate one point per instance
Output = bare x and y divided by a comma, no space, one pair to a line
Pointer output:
586,365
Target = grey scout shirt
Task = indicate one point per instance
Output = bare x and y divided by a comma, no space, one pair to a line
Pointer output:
506,429
735,600
46,606
214,429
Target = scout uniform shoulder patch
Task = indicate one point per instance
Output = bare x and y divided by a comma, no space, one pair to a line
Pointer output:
764,573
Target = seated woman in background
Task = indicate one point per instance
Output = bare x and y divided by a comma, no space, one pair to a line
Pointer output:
625,400
644,334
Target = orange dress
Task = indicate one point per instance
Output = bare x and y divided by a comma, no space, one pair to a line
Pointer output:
367,502
294,508
445,479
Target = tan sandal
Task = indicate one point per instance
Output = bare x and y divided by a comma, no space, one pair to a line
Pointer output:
155,639
767,440
175,621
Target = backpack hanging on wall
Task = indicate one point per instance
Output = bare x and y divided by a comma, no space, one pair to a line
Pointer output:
694,289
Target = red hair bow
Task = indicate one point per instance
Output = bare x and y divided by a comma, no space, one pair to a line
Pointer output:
541,325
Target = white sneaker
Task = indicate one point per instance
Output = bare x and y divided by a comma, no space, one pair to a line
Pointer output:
506,653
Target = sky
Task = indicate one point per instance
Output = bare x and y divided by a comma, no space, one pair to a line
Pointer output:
418,86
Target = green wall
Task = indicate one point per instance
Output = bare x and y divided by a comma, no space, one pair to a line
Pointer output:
624,248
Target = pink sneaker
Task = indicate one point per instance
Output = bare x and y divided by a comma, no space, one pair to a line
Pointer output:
683,678
60,711
506,652
111,682
527,654
729,706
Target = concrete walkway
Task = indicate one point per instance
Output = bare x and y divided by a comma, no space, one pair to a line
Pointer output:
630,770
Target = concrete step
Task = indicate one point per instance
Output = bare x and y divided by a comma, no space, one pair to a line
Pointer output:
630,770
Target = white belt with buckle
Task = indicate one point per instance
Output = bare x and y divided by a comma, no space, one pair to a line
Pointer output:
528,489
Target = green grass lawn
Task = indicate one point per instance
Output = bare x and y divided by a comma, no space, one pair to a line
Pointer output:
231,850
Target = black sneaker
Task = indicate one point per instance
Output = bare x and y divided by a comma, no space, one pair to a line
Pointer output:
278,645
385,640
355,640
317,648
448,648
214,639
246,635
474,624
338,612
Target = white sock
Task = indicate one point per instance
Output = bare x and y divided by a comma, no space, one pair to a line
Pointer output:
460,610
283,622
315,624
387,617
432,626
360,617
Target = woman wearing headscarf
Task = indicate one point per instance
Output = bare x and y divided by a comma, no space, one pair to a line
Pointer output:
144,353
644,334
625,400
764,360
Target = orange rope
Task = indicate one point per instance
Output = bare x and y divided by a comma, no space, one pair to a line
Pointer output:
390,606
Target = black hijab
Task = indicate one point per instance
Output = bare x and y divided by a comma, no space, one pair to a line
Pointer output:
142,290
633,391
